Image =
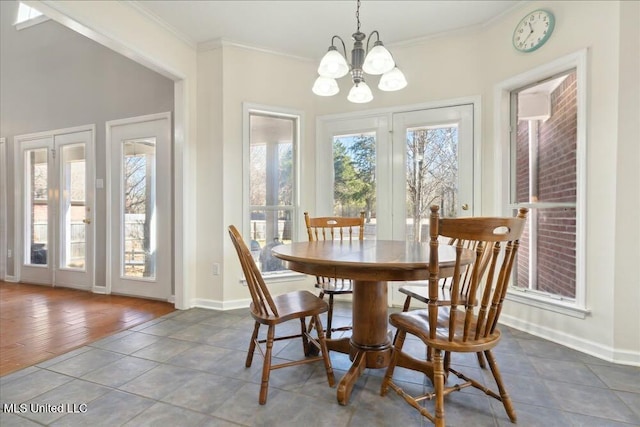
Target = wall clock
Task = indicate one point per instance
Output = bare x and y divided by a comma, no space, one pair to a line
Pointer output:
533,30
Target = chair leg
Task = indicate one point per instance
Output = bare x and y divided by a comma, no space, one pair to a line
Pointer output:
438,383
506,400
407,303
252,345
329,316
397,348
481,360
325,351
303,334
266,367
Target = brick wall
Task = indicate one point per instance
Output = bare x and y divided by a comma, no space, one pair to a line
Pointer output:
556,227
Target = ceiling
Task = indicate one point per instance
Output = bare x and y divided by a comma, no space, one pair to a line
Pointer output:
304,28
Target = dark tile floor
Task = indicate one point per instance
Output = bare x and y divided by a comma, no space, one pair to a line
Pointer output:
187,369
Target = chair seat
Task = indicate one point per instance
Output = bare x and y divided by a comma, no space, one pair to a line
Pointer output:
292,305
335,286
416,322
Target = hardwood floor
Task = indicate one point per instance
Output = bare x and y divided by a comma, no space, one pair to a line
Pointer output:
40,322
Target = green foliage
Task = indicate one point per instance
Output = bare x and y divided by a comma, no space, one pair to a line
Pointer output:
354,175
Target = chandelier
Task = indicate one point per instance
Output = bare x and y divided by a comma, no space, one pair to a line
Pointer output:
376,62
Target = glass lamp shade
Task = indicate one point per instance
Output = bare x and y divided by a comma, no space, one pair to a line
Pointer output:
392,80
378,60
360,93
333,64
325,86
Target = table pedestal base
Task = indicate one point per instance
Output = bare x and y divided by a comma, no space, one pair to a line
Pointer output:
369,345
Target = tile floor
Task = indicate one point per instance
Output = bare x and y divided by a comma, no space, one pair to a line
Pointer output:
187,369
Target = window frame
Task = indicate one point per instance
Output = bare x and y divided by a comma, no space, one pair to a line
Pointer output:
32,20
247,110
576,307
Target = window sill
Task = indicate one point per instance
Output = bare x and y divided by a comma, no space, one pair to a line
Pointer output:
538,300
285,276
31,22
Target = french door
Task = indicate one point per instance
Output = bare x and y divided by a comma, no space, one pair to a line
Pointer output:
432,164
55,208
139,225
395,166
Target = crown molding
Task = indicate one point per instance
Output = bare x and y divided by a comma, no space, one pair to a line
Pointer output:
136,4
224,42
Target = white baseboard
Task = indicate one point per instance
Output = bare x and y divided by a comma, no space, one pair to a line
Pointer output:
610,354
220,305
99,290
12,279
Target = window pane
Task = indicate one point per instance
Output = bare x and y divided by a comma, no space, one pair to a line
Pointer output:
72,206
37,184
138,201
431,176
26,12
354,166
269,229
271,160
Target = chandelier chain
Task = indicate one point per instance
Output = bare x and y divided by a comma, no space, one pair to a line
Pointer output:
358,14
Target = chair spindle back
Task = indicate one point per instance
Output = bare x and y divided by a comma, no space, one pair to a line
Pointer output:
335,227
495,241
262,301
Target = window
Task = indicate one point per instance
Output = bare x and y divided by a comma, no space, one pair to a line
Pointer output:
273,140
547,176
546,181
28,16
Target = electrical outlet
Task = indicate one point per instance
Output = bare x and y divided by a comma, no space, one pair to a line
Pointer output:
9,253
216,269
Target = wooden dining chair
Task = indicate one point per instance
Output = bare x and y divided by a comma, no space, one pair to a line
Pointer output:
272,311
420,290
334,228
459,327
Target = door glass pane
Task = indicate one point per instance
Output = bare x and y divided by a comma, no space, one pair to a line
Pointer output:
72,206
354,168
431,176
36,189
138,234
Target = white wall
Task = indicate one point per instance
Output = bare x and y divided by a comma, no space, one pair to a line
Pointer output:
626,327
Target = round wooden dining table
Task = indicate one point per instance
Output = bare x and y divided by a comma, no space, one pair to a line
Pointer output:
370,264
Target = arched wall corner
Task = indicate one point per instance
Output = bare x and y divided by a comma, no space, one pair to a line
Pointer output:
115,25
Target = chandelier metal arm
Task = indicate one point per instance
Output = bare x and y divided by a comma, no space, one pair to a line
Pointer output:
344,49
371,35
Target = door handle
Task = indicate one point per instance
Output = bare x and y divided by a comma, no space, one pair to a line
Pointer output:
86,221
465,207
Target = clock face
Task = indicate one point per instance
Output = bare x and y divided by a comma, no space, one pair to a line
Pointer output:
533,30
